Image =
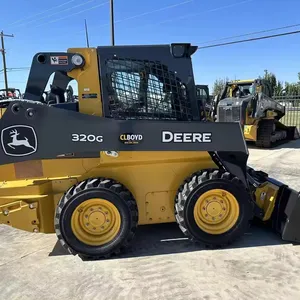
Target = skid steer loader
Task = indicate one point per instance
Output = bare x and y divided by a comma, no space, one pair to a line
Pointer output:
250,103
132,150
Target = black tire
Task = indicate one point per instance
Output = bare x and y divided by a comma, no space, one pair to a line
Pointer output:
264,133
106,189
190,191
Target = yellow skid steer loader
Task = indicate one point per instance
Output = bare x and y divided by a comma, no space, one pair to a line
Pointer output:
132,150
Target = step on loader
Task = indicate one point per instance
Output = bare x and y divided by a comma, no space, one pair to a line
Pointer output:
131,150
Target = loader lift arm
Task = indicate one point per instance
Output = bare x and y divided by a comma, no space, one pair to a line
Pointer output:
232,157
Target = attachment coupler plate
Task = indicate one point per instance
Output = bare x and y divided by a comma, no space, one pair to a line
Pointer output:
290,229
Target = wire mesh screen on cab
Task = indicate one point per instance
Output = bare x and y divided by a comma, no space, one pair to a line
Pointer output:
142,89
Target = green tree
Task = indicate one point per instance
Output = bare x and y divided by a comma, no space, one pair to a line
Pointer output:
219,85
279,88
271,78
293,88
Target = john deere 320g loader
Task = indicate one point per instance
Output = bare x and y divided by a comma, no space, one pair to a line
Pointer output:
131,151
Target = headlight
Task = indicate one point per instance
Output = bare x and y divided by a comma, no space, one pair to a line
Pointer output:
77,60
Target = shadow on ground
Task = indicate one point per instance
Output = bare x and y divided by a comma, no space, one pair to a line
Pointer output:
168,239
294,144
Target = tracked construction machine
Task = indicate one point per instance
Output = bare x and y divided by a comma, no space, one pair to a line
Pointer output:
132,150
250,103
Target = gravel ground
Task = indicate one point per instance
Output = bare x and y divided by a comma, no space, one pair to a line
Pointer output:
162,263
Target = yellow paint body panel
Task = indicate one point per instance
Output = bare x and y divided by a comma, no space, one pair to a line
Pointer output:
265,196
244,81
88,81
250,132
2,111
271,114
152,177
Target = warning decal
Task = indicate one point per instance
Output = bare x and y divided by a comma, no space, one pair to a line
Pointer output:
89,96
59,60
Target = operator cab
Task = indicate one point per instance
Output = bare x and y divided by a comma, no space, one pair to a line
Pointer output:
120,82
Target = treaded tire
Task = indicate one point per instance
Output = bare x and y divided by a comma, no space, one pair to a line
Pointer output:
199,183
110,190
264,132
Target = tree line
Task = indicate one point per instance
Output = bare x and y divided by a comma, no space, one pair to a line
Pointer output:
279,88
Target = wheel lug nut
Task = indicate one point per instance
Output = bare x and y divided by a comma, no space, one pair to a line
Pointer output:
203,208
87,224
86,216
94,228
107,220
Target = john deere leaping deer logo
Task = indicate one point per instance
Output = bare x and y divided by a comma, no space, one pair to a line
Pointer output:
15,142
19,140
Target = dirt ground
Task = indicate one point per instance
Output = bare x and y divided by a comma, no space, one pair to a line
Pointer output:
162,263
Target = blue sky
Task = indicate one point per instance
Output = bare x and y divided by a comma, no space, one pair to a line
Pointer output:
39,26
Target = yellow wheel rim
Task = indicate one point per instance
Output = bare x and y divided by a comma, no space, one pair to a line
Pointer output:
96,222
216,211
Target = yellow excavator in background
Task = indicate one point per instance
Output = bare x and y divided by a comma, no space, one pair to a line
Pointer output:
250,103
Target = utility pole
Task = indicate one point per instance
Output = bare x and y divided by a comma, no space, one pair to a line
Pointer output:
86,34
112,25
4,60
